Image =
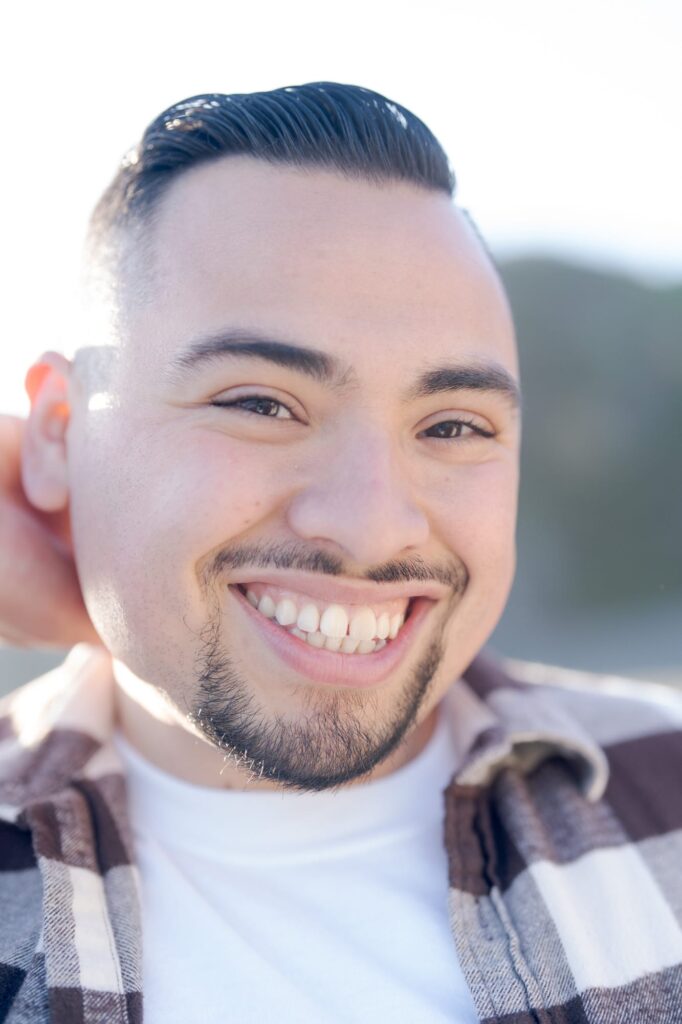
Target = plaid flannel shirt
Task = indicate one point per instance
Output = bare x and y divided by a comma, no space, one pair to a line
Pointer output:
563,828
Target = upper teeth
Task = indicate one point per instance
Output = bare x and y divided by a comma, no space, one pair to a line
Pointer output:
353,626
334,622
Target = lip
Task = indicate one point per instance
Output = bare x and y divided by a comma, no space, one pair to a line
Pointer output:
331,591
332,668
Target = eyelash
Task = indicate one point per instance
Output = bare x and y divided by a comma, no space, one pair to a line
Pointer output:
460,423
240,404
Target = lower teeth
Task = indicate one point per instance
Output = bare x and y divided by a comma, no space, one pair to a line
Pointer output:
345,645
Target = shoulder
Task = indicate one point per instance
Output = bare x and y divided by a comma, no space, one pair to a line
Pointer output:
51,727
611,709
638,726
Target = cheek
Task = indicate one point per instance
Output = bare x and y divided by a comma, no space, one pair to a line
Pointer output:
476,515
476,522
144,524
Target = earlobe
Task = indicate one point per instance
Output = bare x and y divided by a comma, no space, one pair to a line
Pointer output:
44,455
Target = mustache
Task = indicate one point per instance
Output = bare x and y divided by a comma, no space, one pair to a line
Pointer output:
298,556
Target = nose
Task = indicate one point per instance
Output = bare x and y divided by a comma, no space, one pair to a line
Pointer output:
360,500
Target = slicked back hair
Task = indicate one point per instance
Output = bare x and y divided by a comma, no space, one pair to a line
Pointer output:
346,128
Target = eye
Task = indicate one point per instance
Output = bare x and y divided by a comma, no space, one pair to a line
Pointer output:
452,430
259,405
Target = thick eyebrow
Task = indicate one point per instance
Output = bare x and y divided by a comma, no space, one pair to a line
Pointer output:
474,377
328,370
236,343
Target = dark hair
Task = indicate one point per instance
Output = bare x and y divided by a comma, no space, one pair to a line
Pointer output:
321,124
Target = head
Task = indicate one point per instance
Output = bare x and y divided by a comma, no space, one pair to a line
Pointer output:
298,397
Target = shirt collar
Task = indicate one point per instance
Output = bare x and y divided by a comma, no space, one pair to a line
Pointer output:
55,729
59,727
501,721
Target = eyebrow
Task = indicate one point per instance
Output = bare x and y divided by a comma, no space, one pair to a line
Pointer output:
477,377
237,343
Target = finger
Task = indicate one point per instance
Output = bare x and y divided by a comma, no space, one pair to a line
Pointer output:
11,434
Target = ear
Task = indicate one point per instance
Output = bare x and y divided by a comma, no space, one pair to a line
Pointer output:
43,458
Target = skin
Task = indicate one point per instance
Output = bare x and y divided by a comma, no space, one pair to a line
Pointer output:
158,481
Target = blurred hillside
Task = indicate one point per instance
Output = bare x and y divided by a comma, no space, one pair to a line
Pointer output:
600,521
599,582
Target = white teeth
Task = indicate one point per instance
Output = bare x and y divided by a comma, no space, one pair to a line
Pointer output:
266,606
316,639
285,612
363,625
332,624
334,621
308,618
396,622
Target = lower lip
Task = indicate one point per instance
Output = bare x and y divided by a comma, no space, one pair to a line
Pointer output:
335,669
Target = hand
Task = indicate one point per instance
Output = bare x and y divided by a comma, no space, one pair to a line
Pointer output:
40,597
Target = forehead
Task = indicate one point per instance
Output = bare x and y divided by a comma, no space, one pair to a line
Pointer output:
346,265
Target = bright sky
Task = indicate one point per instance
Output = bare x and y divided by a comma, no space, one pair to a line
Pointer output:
562,119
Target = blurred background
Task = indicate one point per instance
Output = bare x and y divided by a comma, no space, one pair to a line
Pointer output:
562,122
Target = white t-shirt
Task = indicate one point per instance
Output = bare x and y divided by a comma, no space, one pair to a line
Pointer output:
300,908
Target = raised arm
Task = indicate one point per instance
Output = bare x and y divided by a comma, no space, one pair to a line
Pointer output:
40,598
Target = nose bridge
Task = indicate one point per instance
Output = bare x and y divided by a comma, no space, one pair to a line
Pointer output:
361,499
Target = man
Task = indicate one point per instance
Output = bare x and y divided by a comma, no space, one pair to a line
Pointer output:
285,460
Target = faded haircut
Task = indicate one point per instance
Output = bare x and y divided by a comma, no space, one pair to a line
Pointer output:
346,128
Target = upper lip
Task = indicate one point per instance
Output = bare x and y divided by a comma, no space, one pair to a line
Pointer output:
337,591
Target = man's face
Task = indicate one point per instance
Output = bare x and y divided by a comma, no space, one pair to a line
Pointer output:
362,474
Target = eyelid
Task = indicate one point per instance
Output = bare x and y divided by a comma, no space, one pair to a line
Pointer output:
472,419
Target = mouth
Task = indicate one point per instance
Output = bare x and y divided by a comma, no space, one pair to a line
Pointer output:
339,644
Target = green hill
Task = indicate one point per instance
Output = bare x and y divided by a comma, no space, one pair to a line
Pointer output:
601,499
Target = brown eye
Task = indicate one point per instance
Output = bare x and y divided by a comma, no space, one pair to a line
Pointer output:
259,405
450,430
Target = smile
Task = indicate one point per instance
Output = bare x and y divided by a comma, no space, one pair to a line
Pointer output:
342,644
350,629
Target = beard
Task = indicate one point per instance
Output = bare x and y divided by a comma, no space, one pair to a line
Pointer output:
340,735
334,741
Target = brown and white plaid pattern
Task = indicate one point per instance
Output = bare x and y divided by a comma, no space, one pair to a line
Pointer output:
70,935
563,827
